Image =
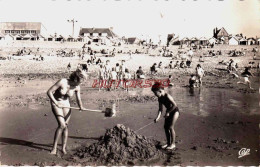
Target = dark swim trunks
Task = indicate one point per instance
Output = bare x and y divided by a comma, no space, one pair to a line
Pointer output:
168,120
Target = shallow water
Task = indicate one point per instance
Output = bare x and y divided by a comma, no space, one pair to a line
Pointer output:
204,101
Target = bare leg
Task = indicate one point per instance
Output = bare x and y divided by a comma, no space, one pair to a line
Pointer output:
172,131
56,139
64,140
65,131
58,132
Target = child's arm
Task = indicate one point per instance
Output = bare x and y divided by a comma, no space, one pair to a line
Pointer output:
79,98
173,102
159,112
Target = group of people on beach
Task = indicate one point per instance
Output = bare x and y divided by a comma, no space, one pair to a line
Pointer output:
61,92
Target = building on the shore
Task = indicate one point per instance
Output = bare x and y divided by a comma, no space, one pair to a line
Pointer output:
21,28
221,35
203,41
258,41
212,40
194,40
242,41
233,41
50,38
41,38
185,41
60,38
133,40
169,38
251,41
79,38
70,39
98,35
175,41
9,37
18,37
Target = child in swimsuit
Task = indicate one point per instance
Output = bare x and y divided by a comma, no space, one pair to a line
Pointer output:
171,116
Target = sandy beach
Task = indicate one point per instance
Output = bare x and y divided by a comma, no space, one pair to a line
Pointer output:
216,121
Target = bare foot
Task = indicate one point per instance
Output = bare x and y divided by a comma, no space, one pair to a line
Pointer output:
53,152
171,147
164,146
64,151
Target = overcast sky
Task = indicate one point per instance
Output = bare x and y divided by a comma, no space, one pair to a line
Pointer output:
141,18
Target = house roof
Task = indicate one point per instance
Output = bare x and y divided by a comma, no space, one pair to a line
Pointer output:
175,39
203,39
9,35
18,35
221,30
60,36
242,39
185,39
131,40
28,36
70,37
97,30
251,38
234,37
193,39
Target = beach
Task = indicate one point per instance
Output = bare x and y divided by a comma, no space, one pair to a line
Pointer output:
216,121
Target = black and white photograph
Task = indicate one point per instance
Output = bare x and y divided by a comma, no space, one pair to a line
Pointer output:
129,82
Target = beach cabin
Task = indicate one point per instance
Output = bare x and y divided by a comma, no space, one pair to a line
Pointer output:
242,41
80,38
70,39
233,41
194,40
18,37
50,38
59,38
40,37
203,41
258,41
9,37
185,41
251,41
27,37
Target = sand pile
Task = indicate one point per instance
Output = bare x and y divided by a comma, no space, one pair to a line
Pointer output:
120,145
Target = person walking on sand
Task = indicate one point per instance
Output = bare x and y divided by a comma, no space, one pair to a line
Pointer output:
60,94
171,116
200,74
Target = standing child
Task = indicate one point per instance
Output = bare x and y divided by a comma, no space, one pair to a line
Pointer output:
171,116
113,77
127,77
200,74
101,74
117,69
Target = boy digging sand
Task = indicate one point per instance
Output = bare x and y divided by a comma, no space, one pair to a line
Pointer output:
171,116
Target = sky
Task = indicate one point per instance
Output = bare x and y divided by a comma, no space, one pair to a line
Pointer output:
138,18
